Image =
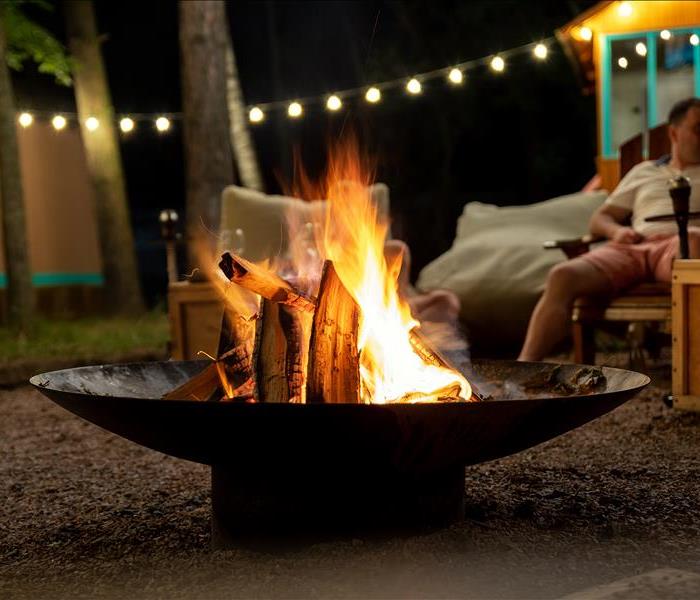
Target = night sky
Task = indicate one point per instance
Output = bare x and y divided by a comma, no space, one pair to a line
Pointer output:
520,137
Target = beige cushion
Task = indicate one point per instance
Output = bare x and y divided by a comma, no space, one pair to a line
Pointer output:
262,217
497,266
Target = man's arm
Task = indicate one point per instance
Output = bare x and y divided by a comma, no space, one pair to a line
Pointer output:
609,221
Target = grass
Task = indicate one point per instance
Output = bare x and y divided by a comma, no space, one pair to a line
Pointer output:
86,338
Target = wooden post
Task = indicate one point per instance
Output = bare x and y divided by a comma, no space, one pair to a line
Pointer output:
334,361
685,326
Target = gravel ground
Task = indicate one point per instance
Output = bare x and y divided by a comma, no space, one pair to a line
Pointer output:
89,515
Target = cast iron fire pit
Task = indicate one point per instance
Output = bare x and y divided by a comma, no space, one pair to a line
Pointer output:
279,469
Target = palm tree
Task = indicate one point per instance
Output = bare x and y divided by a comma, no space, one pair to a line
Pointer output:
208,155
104,160
20,295
241,140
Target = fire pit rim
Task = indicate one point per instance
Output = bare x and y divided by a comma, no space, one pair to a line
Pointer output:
42,381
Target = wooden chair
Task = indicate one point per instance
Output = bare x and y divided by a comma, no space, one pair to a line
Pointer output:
638,306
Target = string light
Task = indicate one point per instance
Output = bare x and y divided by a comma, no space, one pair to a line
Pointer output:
126,124
92,123
414,86
25,119
334,103
624,9
665,34
256,115
498,64
59,122
373,95
162,124
622,62
540,51
586,34
694,39
640,49
455,76
294,110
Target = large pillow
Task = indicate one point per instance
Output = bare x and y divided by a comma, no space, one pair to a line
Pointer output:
497,265
262,217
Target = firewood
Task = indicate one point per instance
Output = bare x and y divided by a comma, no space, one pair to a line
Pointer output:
270,356
423,348
265,283
334,362
202,386
294,359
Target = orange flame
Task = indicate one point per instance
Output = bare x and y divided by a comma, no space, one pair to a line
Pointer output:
352,236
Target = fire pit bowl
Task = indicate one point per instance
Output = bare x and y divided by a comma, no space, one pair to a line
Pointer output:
277,467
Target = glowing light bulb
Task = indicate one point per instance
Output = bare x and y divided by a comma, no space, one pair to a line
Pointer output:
665,34
58,122
126,124
294,110
498,64
622,62
92,123
256,115
640,49
162,124
334,103
456,76
586,34
414,86
694,39
540,51
624,9
373,95
25,119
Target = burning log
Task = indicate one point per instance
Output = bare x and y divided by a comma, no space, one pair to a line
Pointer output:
206,385
277,355
334,362
263,282
226,377
423,348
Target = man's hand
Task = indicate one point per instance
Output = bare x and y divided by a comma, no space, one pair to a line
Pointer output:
626,235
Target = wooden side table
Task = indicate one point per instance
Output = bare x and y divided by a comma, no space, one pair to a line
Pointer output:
685,294
195,312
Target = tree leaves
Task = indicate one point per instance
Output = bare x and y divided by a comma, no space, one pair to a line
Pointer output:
27,40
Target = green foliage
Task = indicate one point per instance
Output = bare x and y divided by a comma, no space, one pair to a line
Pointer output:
86,338
27,40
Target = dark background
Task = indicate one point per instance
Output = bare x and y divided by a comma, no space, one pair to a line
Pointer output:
520,137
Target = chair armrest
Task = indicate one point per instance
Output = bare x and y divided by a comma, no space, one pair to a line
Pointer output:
572,247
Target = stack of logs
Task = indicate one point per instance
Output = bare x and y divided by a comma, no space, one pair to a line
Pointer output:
263,359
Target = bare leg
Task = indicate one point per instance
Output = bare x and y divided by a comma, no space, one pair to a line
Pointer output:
550,320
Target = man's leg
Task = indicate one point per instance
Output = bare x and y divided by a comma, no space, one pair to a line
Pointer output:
550,320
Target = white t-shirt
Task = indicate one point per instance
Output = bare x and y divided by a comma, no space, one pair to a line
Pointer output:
644,192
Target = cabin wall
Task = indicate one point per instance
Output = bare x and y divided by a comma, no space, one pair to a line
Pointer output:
61,224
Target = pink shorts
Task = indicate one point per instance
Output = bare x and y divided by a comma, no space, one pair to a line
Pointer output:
626,265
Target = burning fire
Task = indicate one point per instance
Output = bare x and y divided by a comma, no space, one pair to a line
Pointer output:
352,234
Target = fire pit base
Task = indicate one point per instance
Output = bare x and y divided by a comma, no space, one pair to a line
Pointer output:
307,505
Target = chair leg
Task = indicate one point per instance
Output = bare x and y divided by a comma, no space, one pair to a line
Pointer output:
584,343
635,340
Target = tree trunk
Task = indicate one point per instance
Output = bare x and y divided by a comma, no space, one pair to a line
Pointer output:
123,289
241,140
208,156
20,295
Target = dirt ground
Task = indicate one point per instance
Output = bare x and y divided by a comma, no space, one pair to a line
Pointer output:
86,514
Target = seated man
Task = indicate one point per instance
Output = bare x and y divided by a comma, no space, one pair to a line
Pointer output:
640,252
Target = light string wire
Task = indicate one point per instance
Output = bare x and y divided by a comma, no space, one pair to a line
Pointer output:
349,93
